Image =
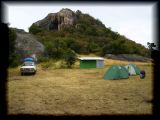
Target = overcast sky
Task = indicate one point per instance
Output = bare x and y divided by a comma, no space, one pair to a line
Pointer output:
135,21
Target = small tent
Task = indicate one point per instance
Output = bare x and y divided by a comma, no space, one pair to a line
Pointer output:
133,69
116,72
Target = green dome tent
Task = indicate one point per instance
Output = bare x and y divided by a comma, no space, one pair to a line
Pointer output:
116,72
133,69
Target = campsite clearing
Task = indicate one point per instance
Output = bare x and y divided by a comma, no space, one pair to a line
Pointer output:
79,92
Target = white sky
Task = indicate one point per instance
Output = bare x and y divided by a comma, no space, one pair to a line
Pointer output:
135,21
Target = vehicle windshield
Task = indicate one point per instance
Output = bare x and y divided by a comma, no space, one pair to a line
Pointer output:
28,64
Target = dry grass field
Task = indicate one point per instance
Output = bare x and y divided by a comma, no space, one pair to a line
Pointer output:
79,92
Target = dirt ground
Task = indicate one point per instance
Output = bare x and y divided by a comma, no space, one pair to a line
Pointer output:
78,92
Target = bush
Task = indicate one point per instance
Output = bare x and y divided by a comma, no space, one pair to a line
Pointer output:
13,61
43,59
70,58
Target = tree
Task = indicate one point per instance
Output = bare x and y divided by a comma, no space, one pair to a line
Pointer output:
78,12
70,58
13,57
72,44
151,45
55,48
34,29
93,47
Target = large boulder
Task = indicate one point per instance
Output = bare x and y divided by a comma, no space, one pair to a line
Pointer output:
27,44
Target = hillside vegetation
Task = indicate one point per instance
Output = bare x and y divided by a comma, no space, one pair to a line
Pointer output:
87,35
66,34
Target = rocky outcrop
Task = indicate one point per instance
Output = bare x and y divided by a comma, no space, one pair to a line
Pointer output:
128,57
27,44
55,21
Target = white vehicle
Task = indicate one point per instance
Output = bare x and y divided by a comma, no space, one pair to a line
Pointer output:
28,67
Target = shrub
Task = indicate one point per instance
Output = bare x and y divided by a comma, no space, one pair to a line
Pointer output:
43,59
13,61
70,58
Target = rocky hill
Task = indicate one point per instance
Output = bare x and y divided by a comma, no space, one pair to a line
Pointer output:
55,21
67,18
83,34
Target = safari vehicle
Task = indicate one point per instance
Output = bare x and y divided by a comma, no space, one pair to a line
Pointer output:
28,68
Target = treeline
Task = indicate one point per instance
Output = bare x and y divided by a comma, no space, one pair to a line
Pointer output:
88,35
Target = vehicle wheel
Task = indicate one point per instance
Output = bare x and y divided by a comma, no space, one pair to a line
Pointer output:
34,73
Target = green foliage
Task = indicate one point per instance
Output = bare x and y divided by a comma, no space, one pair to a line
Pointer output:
69,29
13,60
13,57
70,57
55,48
34,29
93,47
12,37
72,44
43,59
